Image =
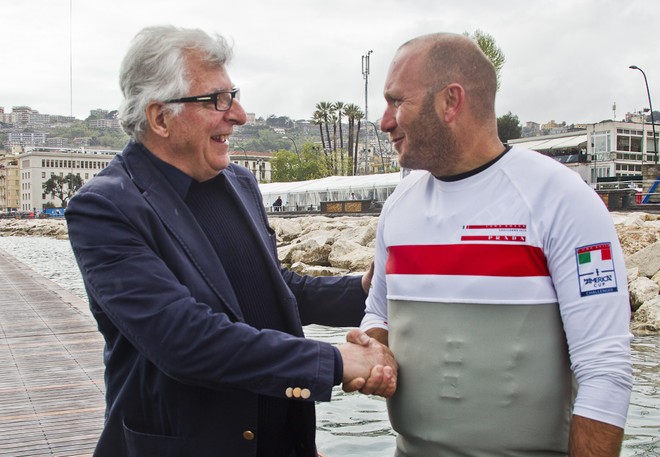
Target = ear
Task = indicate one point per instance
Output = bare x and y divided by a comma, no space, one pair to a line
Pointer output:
157,119
450,102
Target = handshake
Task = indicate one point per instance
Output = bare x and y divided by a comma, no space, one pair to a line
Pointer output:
369,365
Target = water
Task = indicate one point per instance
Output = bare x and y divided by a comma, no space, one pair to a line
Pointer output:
355,425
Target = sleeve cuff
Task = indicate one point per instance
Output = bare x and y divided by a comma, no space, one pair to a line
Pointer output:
339,367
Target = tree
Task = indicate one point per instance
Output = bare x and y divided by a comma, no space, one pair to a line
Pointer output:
63,187
317,119
508,127
358,117
288,166
339,109
487,44
279,121
324,109
353,113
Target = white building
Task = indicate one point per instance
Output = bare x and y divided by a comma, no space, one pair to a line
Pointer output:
37,165
603,153
257,162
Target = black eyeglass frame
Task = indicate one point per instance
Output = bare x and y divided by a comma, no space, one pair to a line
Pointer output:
209,98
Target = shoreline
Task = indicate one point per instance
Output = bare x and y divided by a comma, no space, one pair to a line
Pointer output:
330,246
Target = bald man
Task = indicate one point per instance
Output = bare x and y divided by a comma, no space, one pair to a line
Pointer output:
499,282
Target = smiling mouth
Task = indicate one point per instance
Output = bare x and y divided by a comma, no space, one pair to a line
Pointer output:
220,138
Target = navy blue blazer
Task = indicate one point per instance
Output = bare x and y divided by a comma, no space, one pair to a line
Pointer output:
183,370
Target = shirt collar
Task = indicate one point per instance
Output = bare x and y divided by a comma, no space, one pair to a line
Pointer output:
177,179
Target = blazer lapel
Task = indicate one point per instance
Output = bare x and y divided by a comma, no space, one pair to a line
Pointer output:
181,223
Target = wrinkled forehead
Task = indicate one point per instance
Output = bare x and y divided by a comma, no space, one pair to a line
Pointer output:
206,76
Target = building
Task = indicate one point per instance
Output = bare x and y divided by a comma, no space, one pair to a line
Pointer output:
257,162
38,165
57,142
603,153
9,183
18,138
100,124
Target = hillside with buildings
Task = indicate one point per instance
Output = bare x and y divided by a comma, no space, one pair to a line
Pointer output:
36,147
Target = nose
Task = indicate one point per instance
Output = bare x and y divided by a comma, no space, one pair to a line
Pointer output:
388,121
236,114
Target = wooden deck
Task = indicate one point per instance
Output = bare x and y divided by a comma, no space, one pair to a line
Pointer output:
51,367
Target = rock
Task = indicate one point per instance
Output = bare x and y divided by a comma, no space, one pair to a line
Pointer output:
636,230
54,228
647,317
656,278
647,260
642,290
313,250
286,229
350,255
315,270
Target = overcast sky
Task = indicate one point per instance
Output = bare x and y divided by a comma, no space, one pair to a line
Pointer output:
566,60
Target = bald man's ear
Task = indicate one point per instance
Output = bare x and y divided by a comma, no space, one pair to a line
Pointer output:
450,101
158,122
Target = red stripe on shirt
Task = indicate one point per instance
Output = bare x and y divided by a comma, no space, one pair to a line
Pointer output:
467,260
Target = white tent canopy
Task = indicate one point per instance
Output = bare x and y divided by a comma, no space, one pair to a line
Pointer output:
308,195
552,142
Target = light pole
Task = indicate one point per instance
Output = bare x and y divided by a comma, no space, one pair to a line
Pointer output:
247,162
244,151
594,157
294,145
648,93
365,75
380,147
298,154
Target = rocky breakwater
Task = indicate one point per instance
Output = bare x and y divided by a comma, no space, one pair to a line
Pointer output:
319,245
639,234
52,228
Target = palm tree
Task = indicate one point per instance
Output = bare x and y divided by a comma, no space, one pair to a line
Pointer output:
332,119
353,113
324,109
358,117
339,109
317,119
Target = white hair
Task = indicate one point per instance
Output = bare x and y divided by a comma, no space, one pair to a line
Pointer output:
154,69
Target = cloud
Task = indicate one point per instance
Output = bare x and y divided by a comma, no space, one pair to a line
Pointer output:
566,60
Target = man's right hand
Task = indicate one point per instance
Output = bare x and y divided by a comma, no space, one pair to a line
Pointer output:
369,366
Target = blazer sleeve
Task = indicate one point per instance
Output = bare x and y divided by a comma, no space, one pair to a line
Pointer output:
336,301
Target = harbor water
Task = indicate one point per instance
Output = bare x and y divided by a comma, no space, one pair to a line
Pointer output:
355,424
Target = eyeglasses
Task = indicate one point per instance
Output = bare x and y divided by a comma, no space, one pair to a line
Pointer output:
222,99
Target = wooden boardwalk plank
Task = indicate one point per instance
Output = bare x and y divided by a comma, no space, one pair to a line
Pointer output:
51,381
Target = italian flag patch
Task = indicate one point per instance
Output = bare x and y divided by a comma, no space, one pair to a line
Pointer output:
596,269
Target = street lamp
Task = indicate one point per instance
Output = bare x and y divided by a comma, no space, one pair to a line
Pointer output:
380,147
244,151
247,161
300,170
294,145
648,93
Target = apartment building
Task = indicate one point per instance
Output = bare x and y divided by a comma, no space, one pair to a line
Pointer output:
606,152
26,138
9,183
37,165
